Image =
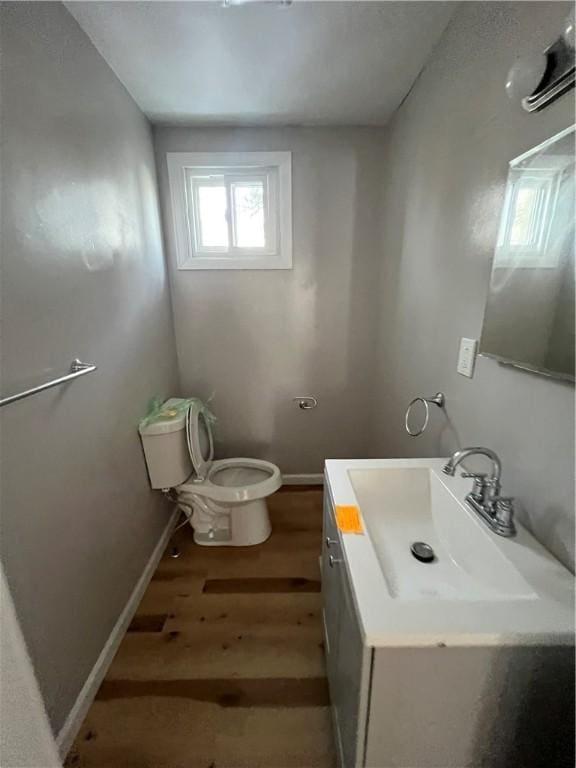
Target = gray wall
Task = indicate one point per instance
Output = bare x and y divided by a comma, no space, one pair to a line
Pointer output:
447,152
82,274
255,339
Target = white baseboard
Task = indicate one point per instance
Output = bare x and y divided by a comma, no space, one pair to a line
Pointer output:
303,479
71,726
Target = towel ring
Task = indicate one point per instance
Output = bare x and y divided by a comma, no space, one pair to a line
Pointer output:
438,400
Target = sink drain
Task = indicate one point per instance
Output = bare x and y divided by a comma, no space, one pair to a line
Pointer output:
422,552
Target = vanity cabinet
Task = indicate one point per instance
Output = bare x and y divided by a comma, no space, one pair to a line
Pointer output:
425,706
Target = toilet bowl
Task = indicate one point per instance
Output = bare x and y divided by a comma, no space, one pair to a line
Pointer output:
225,499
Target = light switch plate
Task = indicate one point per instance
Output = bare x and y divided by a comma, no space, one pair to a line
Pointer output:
467,357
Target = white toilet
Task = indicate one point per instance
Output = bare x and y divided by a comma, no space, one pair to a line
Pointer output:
225,500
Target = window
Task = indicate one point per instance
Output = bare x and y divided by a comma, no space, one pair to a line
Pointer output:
232,210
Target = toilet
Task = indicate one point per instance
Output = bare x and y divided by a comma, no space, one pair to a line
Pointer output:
225,500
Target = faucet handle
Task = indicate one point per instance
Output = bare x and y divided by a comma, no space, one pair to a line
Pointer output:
478,491
503,502
503,507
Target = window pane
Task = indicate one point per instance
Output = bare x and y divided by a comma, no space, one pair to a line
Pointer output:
249,228
524,223
212,216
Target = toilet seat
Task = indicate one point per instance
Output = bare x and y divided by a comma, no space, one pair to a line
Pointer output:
200,439
236,480
225,480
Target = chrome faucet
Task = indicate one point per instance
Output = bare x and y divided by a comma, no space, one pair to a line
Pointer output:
497,511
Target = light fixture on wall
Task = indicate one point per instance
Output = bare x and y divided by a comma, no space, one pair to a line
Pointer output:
538,79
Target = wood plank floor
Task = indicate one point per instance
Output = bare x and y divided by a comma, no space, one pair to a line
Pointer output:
223,664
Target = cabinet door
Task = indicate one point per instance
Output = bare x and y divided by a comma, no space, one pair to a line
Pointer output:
330,585
347,660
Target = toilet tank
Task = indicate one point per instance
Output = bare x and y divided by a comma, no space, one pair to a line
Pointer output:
166,449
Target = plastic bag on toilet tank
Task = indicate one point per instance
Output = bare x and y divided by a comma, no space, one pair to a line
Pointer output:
164,410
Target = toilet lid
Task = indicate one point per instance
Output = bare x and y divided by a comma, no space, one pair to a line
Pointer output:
200,440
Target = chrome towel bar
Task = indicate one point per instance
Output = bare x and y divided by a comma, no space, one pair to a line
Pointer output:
77,369
438,400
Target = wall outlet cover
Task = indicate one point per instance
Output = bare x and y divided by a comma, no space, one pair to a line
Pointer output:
467,357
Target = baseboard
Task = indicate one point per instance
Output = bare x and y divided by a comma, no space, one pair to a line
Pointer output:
71,726
303,479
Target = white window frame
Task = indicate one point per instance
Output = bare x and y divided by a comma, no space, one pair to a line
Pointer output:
274,168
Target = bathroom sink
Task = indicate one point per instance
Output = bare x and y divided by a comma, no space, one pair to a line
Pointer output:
421,650
479,589
401,506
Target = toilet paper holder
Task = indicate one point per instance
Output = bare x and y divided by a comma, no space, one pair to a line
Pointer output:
305,402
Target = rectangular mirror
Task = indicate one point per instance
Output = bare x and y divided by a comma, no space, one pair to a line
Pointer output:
529,316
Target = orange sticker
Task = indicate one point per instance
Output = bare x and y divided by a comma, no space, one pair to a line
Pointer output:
348,519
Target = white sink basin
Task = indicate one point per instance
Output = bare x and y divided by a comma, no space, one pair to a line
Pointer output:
403,506
481,589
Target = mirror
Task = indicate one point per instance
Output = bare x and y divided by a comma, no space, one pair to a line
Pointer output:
529,316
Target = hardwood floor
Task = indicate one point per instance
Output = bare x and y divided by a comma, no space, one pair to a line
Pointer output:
223,665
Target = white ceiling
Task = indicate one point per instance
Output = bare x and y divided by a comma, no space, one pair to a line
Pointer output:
331,63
